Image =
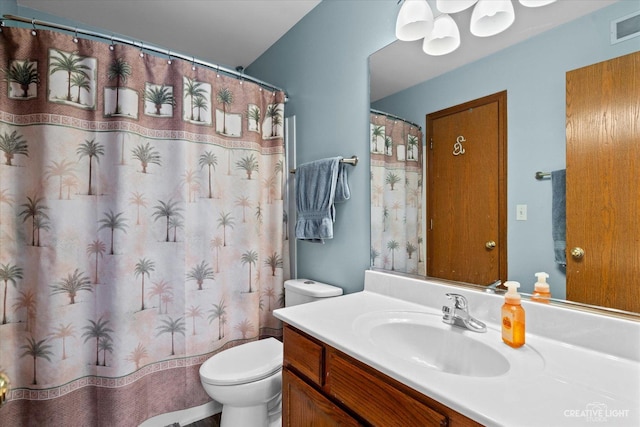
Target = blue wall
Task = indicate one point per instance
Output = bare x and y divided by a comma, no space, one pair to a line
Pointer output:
323,66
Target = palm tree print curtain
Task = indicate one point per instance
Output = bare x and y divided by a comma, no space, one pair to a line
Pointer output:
141,227
397,242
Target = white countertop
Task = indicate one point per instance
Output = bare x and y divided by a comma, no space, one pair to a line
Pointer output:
573,382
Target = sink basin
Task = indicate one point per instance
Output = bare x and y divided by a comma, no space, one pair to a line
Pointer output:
423,339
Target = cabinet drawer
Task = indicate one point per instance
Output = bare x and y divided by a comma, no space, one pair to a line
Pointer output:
304,355
373,398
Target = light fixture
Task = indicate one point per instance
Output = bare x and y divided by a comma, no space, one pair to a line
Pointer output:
415,20
441,34
491,17
535,3
444,38
454,6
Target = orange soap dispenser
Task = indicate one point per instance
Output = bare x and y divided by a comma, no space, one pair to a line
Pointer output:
513,319
541,292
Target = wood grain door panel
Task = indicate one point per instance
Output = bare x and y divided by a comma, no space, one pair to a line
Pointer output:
603,189
466,192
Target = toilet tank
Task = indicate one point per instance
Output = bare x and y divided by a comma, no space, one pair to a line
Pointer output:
302,291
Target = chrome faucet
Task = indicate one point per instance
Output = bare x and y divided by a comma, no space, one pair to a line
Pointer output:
494,288
458,314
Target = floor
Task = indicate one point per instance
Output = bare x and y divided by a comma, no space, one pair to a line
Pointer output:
213,421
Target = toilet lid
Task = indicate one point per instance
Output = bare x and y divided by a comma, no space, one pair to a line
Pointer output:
244,363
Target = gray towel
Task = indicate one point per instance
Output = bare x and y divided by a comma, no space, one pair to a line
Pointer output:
319,185
342,185
559,215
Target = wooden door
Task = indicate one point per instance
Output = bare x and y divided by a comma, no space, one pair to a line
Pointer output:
466,193
603,190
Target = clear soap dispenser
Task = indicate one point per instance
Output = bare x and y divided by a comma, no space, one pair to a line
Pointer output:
541,292
513,319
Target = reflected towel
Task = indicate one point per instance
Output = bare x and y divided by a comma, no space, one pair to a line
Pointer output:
559,215
319,185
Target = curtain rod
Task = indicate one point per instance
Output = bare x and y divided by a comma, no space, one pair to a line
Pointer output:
150,48
374,111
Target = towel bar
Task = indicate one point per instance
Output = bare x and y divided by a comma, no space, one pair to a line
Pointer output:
542,175
353,160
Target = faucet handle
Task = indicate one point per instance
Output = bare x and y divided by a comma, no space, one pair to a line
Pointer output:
459,301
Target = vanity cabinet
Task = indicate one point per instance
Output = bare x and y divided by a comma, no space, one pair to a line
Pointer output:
324,387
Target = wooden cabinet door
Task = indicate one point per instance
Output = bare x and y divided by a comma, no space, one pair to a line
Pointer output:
304,406
603,188
304,355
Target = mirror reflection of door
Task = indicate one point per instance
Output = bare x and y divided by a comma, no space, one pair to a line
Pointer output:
466,193
603,189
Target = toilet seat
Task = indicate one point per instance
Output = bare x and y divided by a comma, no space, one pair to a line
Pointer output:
244,363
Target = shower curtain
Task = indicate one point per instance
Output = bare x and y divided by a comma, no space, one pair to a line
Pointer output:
141,227
397,241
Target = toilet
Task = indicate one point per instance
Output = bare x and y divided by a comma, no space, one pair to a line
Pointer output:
247,379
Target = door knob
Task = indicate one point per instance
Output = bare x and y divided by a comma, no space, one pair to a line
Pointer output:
577,252
490,244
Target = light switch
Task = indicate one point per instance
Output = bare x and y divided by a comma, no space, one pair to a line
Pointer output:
521,212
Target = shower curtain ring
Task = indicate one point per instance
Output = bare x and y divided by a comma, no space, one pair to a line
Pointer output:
169,61
141,52
112,46
75,36
240,69
193,63
33,24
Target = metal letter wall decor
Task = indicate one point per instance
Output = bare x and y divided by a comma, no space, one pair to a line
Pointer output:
458,149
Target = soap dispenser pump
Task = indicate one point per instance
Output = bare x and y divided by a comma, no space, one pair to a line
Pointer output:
513,318
541,292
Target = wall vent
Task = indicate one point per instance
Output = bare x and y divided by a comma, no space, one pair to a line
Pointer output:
625,28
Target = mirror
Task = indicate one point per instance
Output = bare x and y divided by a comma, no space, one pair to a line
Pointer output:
533,72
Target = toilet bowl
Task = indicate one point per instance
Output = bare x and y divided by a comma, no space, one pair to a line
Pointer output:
247,379
247,386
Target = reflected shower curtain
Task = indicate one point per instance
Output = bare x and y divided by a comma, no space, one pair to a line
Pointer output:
141,227
397,242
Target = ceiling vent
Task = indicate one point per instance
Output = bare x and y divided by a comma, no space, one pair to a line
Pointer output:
625,28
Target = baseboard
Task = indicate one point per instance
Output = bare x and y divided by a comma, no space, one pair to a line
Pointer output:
185,416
